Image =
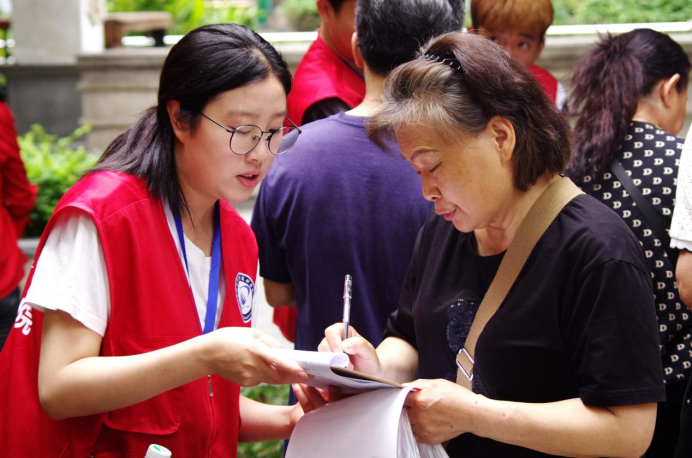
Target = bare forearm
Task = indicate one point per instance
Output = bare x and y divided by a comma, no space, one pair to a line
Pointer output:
568,428
74,380
399,360
279,294
100,384
683,275
262,422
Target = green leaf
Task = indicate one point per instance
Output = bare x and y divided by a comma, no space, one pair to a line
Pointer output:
191,14
54,164
621,11
268,394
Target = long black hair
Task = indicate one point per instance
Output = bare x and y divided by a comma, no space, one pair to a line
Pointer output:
608,84
206,62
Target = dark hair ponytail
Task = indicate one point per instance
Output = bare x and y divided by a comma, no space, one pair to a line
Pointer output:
206,62
607,86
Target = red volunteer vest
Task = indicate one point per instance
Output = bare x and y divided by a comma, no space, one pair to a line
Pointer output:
320,75
151,308
17,197
547,80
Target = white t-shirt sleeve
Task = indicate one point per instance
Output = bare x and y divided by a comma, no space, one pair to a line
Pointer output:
681,227
71,275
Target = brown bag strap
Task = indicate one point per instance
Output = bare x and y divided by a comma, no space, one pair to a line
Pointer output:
543,212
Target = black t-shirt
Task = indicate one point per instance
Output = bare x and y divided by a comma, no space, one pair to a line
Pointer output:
579,321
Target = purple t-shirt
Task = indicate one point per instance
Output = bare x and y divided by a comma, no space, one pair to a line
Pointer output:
335,204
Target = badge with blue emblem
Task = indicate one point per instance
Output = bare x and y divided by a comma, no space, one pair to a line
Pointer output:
244,292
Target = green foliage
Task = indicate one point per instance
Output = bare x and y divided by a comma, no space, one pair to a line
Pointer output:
54,166
190,14
267,394
565,11
596,11
3,88
621,11
301,14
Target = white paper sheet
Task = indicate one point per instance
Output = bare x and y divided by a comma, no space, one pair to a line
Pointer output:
363,426
322,366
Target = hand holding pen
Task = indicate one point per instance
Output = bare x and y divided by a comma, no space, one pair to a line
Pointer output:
362,354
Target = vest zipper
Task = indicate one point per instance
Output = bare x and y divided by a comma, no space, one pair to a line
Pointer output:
212,419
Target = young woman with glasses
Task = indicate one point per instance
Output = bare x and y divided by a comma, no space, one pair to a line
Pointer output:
140,300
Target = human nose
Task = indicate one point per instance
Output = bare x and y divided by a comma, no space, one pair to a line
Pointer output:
430,190
260,151
516,52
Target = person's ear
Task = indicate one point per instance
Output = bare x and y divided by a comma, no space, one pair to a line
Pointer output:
357,56
180,128
325,10
503,135
669,85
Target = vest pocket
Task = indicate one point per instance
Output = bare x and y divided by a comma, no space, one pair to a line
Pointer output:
159,415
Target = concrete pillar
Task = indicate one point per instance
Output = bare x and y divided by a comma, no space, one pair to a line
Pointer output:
56,31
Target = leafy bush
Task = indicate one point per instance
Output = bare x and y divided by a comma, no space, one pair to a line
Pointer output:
301,14
268,394
596,11
3,88
54,166
190,14
621,11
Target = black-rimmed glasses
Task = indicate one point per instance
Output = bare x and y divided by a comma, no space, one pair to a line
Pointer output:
246,137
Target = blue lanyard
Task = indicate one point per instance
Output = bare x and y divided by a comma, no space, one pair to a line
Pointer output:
212,299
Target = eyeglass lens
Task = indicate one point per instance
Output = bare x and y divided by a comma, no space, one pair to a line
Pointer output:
245,138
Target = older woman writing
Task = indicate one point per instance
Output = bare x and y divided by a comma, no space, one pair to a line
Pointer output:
569,363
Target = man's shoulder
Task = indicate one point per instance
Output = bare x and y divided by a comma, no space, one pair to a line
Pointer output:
329,131
320,144
319,63
539,72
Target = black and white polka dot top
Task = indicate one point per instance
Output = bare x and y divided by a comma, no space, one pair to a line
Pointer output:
651,158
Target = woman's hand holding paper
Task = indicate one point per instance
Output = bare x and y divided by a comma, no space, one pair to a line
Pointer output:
244,356
440,410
